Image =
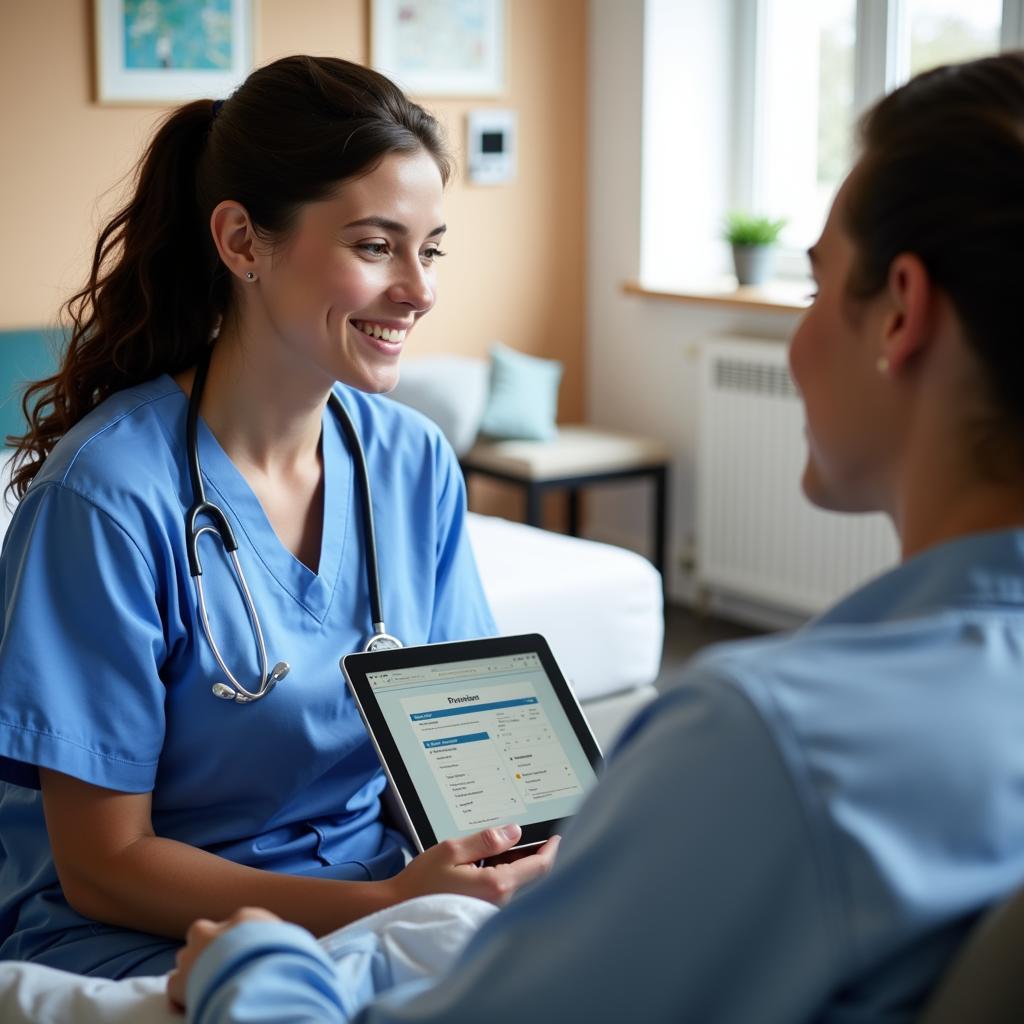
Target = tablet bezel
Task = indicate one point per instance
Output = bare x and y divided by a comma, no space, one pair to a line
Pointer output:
356,668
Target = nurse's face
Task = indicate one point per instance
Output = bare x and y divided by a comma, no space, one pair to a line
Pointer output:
833,358
358,271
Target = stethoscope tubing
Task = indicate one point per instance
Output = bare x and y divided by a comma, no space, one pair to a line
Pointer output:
201,506
369,530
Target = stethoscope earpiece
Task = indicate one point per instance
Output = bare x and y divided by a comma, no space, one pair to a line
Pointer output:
225,692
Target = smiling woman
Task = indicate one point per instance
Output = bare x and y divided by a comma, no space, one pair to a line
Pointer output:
255,294
353,283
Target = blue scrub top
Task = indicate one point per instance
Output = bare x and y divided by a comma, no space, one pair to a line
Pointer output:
105,672
802,828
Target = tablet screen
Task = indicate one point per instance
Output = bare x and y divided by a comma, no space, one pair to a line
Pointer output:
486,740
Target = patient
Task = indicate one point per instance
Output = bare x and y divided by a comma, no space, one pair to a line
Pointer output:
804,826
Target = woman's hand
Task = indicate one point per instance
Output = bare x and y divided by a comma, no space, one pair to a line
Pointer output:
200,934
452,866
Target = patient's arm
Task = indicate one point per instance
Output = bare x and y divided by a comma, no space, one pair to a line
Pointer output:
690,889
113,868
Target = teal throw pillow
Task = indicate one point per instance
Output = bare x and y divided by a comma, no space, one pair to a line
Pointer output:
523,396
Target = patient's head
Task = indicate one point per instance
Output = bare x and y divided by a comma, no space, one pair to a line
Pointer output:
911,359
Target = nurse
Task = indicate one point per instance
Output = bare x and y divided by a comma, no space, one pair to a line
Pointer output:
284,242
805,826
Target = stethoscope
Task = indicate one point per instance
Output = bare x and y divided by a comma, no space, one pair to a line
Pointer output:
381,640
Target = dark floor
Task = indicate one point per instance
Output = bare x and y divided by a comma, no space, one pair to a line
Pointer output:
687,631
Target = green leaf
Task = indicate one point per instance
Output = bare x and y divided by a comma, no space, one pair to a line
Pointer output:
750,229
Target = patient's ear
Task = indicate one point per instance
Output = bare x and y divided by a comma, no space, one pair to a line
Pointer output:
909,323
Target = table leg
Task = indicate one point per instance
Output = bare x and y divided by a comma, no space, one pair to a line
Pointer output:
574,512
660,520
533,495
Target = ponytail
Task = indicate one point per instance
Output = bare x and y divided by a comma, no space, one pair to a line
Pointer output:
287,136
152,297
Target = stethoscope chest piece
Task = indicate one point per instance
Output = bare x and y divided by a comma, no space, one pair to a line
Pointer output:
382,642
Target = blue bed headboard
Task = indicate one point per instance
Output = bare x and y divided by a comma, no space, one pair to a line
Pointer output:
25,355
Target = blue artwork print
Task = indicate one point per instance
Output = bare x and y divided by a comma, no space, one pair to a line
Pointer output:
189,35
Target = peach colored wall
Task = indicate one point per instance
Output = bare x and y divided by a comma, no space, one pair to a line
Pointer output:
515,266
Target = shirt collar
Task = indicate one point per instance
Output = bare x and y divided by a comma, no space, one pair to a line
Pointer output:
984,569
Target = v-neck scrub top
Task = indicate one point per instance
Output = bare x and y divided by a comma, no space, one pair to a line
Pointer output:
106,674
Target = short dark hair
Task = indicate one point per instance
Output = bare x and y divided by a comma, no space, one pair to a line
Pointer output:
942,176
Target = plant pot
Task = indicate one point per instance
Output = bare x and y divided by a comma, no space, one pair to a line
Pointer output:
753,263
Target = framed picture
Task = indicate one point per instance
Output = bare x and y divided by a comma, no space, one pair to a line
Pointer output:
162,51
440,47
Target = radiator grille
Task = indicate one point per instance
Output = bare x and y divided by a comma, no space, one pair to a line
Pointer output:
759,378
757,535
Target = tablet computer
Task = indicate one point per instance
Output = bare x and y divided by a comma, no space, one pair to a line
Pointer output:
476,734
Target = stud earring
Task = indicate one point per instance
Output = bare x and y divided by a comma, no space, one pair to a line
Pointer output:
882,366
250,276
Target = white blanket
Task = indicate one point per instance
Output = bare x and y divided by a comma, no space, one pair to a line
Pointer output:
420,938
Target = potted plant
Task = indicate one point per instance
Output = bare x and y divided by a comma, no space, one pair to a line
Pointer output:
753,241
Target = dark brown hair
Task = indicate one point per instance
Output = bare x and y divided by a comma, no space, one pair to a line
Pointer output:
290,133
942,176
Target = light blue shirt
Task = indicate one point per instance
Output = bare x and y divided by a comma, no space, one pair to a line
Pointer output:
801,829
105,673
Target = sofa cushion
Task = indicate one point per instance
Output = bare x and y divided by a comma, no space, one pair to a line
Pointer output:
450,390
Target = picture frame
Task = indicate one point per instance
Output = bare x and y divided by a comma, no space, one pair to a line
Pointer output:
440,48
151,52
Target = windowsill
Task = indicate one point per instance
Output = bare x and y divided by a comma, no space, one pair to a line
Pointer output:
778,296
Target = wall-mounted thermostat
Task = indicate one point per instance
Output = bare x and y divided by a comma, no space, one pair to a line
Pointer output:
491,145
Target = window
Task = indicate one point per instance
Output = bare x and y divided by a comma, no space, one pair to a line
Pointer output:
751,104
803,110
942,31
816,64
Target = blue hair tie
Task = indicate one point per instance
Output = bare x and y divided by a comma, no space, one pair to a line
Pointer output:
217,104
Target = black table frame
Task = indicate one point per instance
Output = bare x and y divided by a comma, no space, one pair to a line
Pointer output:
572,483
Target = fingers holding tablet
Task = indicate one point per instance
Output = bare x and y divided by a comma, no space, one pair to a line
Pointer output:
454,866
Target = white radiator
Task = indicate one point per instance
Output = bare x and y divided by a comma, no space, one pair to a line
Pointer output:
758,537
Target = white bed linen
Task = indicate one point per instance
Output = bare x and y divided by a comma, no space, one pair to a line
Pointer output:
600,607
420,939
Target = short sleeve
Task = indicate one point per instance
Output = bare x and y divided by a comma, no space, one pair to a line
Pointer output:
461,611
81,647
